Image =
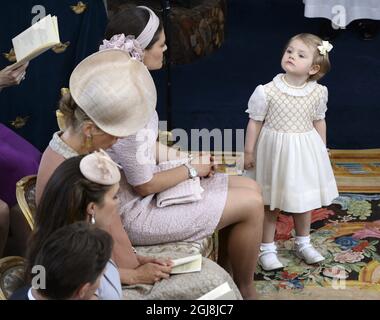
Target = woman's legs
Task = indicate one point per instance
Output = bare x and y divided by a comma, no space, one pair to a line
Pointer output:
243,182
243,214
4,226
223,260
223,234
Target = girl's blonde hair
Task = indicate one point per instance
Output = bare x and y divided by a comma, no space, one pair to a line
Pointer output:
322,61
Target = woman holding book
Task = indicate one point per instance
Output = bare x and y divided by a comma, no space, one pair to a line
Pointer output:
89,127
232,205
84,188
93,120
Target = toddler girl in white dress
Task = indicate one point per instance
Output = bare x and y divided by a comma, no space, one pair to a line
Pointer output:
286,143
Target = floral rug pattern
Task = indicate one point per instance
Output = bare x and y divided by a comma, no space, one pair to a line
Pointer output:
347,234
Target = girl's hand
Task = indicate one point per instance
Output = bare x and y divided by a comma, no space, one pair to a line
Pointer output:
249,160
213,168
203,164
150,273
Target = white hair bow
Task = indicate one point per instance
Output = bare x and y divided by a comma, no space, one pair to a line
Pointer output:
325,47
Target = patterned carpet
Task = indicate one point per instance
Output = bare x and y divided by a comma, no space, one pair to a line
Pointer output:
347,233
357,171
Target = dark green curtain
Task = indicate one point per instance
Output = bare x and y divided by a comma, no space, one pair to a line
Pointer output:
34,101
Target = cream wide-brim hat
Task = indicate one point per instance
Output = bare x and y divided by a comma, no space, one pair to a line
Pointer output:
116,92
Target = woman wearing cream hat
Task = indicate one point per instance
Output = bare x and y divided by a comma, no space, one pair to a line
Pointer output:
84,188
110,96
233,205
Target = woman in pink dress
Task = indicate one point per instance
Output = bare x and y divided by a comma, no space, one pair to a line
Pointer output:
232,205
94,119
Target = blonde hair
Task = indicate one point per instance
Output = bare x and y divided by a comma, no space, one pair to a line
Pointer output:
320,60
70,114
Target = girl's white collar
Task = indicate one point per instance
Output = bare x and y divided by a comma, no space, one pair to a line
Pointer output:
284,87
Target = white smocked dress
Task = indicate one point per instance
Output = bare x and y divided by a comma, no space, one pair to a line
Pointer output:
292,163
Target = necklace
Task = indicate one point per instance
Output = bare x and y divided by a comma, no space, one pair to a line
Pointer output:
291,86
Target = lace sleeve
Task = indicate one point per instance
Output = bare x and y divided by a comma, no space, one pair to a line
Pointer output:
322,107
257,104
136,154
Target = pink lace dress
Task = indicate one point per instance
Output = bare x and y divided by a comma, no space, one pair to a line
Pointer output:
147,224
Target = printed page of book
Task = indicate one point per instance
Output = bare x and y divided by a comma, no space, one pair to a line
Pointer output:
35,40
223,292
187,264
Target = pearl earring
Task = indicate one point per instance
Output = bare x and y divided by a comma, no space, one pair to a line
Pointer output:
93,218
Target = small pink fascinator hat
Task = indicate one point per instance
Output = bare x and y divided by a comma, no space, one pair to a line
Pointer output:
98,167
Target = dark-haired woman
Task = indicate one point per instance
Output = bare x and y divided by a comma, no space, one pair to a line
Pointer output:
233,205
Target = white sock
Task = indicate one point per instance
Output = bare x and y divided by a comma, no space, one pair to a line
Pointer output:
267,246
300,240
268,256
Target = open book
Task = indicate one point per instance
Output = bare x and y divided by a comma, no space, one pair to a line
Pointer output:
187,264
40,37
223,292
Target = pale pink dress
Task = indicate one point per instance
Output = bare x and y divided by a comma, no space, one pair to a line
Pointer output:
147,224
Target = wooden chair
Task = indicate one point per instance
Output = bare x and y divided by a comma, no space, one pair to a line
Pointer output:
11,275
26,197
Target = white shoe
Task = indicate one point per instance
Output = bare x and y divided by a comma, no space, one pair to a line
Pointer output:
268,259
308,253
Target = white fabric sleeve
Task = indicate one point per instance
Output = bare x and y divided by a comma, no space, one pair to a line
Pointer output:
257,104
322,107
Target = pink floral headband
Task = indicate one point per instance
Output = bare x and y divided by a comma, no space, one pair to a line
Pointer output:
135,47
126,43
98,167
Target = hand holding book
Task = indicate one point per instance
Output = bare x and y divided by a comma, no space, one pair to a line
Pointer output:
10,76
35,40
187,264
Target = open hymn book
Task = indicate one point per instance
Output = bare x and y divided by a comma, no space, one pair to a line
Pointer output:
40,37
223,292
187,264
